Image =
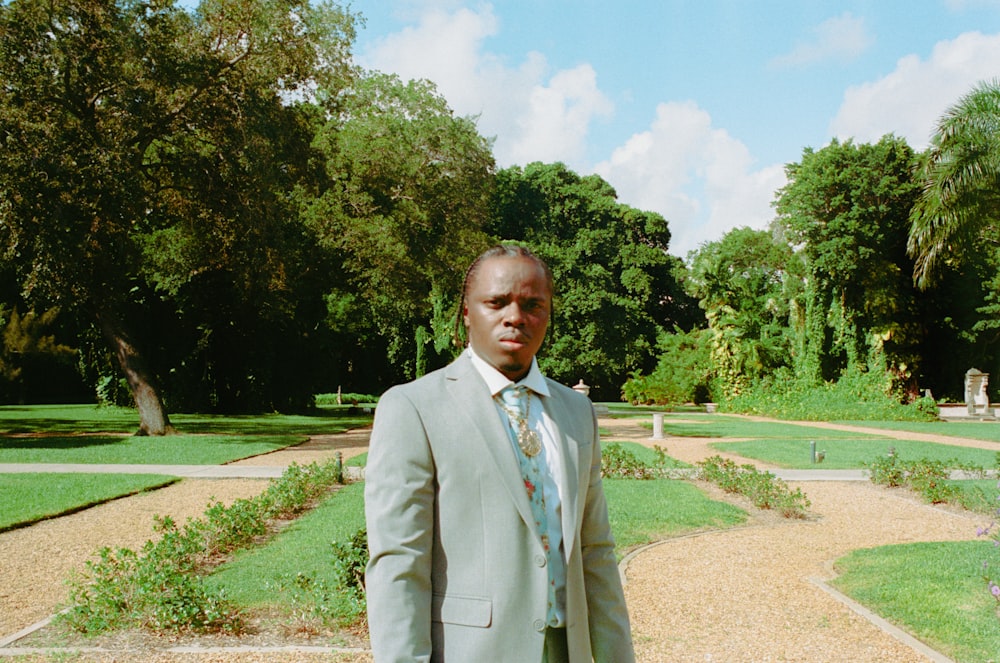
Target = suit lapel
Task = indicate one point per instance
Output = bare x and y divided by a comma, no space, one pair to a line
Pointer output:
481,420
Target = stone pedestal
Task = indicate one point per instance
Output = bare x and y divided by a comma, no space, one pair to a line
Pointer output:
657,426
977,400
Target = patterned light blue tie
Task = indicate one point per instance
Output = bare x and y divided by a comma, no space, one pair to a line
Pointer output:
515,400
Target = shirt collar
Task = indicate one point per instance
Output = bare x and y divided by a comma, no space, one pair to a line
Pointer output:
497,381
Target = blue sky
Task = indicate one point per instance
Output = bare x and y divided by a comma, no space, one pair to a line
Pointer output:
688,108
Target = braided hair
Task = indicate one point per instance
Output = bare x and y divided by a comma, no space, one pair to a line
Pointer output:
497,251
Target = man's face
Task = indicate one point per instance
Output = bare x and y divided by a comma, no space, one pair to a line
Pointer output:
507,312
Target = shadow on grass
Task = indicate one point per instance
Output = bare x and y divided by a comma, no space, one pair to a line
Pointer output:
76,419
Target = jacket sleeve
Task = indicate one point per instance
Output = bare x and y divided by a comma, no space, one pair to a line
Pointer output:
399,511
610,632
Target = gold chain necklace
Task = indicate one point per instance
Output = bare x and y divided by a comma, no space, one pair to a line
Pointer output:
527,439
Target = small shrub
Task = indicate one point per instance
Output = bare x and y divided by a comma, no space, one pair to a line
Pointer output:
857,395
763,489
927,477
330,400
887,471
620,463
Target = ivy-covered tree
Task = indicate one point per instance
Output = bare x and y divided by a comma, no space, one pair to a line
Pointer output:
144,151
847,206
616,287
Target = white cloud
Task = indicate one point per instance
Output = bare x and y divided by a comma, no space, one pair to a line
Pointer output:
844,37
909,101
535,114
701,179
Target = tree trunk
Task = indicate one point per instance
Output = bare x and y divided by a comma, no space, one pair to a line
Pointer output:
153,419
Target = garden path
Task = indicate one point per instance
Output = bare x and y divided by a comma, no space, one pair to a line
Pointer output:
749,594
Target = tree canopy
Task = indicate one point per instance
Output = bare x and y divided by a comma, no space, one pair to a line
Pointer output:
615,282
146,148
847,206
959,207
219,206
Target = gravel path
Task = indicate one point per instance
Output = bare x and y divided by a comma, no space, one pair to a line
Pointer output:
748,594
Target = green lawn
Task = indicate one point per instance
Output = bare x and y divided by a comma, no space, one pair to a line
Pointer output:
645,454
645,511
88,434
75,419
977,430
979,495
168,450
293,572
721,425
934,590
27,498
848,452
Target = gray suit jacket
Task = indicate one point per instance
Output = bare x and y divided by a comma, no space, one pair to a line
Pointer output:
457,570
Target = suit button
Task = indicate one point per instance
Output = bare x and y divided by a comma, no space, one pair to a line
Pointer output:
539,625
540,560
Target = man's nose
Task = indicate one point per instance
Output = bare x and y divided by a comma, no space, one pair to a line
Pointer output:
513,315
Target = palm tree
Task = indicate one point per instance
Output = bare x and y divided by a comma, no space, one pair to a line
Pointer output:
960,201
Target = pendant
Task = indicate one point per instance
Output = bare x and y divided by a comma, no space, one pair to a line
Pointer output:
528,440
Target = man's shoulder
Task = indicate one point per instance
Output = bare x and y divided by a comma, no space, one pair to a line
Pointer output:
430,383
564,391
568,395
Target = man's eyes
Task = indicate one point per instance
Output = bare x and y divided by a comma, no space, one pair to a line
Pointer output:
530,305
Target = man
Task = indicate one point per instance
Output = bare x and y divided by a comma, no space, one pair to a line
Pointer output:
487,524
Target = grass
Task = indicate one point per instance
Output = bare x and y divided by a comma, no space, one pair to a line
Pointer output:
90,434
168,450
934,590
645,454
852,453
977,430
75,419
979,495
279,575
645,511
721,425
22,503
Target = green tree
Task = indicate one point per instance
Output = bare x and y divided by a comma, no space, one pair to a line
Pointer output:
616,285
30,348
953,235
959,207
401,213
131,131
750,288
847,206
683,372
